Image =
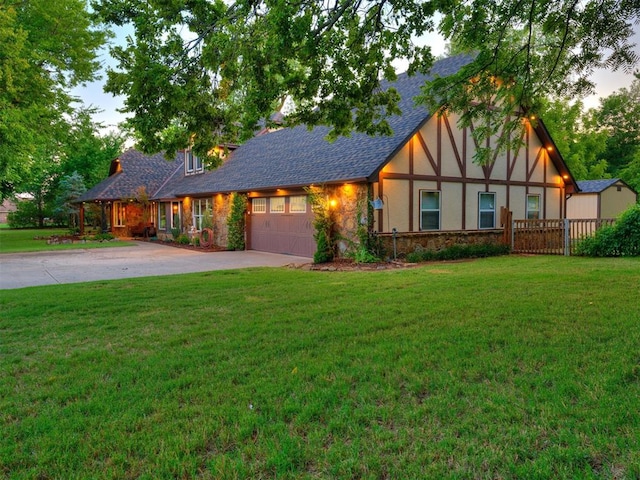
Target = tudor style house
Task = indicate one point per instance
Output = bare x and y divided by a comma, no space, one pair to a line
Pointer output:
421,180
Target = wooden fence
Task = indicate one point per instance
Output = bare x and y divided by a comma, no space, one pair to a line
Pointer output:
553,237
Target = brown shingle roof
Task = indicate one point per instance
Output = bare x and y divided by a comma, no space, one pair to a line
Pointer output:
135,170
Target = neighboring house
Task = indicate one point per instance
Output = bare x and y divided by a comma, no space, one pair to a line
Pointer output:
605,198
6,208
428,190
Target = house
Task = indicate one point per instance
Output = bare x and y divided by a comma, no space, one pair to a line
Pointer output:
8,205
421,179
133,178
598,199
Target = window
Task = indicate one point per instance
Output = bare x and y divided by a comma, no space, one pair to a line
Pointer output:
429,210
200,208
487,210
162,216
533,207
120,213
276,204
175,215
192,164
259,205
298,204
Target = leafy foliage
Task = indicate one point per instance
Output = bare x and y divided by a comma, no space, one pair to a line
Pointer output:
47,48
212,71
236,222
620,239
618,115
324,225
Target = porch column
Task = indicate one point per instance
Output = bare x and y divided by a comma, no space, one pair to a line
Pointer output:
81,220
103,218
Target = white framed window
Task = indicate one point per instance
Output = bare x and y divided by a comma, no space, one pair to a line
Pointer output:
162,216
192,163
176,215
199,209
259,205
120,214
533,207
486,210
276,205
429,210
298,204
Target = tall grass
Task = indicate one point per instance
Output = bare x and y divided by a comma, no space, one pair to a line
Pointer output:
509,367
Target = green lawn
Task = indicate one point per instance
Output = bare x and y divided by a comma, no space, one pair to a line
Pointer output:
508,367
32,240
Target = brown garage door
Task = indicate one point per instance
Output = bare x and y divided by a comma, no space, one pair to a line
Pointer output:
282,225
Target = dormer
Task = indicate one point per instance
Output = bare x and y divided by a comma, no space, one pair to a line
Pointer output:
192,163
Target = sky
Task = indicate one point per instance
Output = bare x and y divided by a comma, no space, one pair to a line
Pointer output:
93,94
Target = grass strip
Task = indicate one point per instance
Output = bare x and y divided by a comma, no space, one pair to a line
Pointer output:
508,367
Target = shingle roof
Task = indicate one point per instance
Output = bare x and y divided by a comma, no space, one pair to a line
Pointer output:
298,156
137,169
596,186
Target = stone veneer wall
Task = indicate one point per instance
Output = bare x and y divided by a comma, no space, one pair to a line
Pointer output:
221,208
351,203
407,242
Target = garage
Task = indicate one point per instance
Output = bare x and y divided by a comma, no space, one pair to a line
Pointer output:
282,224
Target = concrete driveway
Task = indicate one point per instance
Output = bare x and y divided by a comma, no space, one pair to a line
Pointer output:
19,270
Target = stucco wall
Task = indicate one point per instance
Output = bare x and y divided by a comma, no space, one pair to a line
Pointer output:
615,200
440,158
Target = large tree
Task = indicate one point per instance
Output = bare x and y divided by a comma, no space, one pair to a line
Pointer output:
46,48
578,137
212,69
619,116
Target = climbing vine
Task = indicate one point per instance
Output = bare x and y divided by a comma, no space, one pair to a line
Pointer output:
324,225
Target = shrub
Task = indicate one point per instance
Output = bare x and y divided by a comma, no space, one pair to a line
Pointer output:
620,239
183,239
236,222
26,215
362,255
103,237
456,252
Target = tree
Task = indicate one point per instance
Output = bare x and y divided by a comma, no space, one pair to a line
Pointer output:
578,138
214,69
80,155
46,48
618,114
85,151
69,189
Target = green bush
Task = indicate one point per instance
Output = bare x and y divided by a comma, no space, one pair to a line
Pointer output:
324,251
26,215
236,222
620,239
363,255
103,237
457,252
183,239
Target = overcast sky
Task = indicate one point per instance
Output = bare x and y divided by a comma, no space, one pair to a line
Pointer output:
607,82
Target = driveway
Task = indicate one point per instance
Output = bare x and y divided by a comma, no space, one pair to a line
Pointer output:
145,259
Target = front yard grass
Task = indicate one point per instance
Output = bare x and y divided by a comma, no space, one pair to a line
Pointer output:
508,367
34,240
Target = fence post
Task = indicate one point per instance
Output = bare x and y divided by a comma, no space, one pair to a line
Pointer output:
513,234
567,237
